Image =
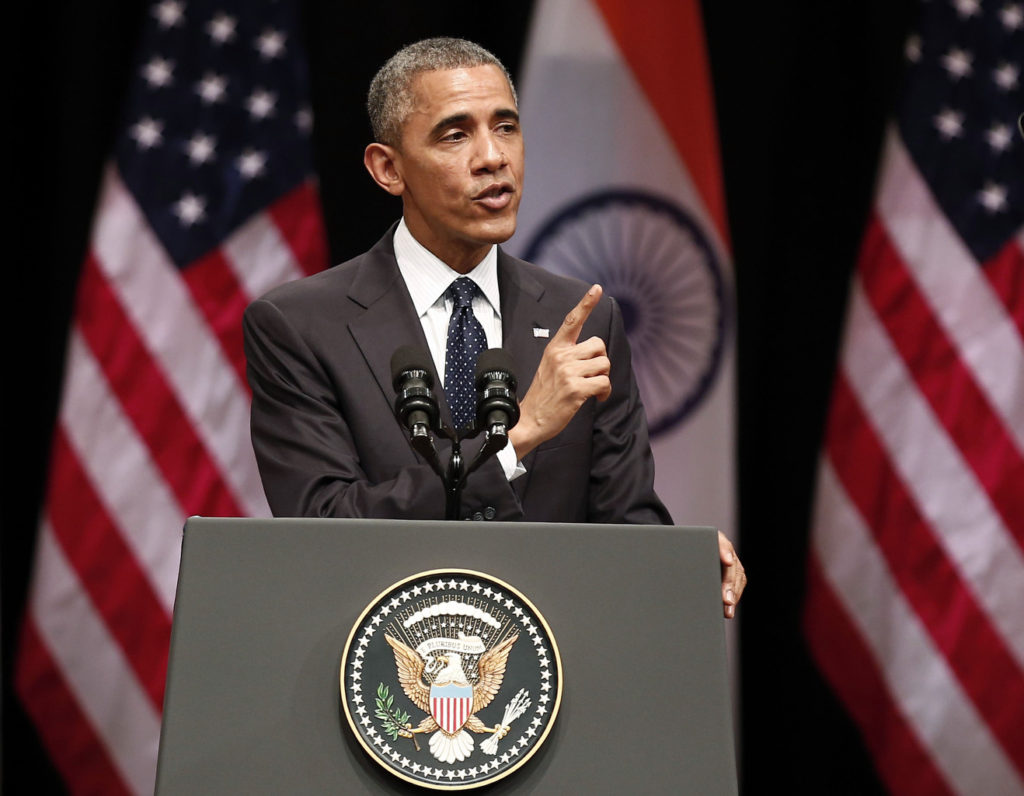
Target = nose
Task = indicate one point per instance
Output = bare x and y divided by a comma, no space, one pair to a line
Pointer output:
490,155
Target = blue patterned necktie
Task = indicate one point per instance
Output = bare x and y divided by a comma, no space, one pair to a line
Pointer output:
466,340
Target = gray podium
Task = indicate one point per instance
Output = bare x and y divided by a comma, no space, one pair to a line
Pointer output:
264,609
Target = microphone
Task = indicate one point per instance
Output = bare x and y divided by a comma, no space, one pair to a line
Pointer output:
497,409
413,380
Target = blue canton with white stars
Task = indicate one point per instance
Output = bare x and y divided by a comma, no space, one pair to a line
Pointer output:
217,120
466,341
959,116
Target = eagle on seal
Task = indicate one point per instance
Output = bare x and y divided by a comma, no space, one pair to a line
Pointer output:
451,742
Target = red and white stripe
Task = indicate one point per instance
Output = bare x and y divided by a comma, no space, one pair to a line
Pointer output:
916,585
451,712
153,427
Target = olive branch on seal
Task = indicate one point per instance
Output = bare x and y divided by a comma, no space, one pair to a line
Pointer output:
392,720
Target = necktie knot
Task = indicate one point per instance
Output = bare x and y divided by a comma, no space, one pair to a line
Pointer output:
462,291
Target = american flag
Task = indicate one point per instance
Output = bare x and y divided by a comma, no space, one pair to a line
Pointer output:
915,605
206,202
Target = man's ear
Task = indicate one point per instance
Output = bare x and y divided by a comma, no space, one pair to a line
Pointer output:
381,161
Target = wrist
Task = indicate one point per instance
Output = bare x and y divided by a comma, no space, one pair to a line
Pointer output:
521,438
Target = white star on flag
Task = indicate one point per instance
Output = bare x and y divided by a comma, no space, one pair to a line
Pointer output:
251,163
201,148
966,8
212,88
993,197
958,63
270,44
158,72
221,29
999,137
147,132
950,124
190,209
1006,76
260,104
1012,16
169,13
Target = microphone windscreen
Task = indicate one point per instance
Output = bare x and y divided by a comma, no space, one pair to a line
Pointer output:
410,357
496,359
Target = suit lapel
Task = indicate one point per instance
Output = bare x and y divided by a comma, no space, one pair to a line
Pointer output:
389,320
521,313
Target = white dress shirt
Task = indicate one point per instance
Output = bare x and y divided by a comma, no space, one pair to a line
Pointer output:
427,279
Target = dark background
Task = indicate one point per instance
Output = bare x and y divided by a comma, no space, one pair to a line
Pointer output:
802,92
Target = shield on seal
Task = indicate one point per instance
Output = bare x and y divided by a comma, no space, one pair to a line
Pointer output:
450,705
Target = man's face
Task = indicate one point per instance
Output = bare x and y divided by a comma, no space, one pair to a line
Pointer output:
461,163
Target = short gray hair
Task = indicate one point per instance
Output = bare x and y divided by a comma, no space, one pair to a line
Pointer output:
390,99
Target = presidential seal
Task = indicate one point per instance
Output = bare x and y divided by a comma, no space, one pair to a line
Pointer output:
451,679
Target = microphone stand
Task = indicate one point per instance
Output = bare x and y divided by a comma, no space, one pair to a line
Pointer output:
416,409
454,479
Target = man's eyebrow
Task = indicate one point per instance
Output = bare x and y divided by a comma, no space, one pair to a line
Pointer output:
448,121
507,113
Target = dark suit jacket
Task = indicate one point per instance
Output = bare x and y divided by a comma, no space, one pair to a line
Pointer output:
327,441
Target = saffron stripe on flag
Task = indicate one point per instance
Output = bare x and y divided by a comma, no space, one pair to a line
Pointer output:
663,43
958,741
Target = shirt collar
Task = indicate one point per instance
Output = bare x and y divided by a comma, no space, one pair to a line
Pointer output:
427,277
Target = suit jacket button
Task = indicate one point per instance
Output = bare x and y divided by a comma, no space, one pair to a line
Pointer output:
489,513
478,516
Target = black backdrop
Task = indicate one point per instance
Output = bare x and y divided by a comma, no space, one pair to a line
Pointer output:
802,90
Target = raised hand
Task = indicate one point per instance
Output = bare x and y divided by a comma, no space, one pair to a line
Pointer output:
569,373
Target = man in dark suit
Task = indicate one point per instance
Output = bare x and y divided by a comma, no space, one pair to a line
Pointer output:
448,142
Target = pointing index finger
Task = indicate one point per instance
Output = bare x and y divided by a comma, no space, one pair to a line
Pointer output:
569,331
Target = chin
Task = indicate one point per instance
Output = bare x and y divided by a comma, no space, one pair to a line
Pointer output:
498,230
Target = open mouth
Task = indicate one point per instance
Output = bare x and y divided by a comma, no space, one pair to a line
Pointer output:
496,197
